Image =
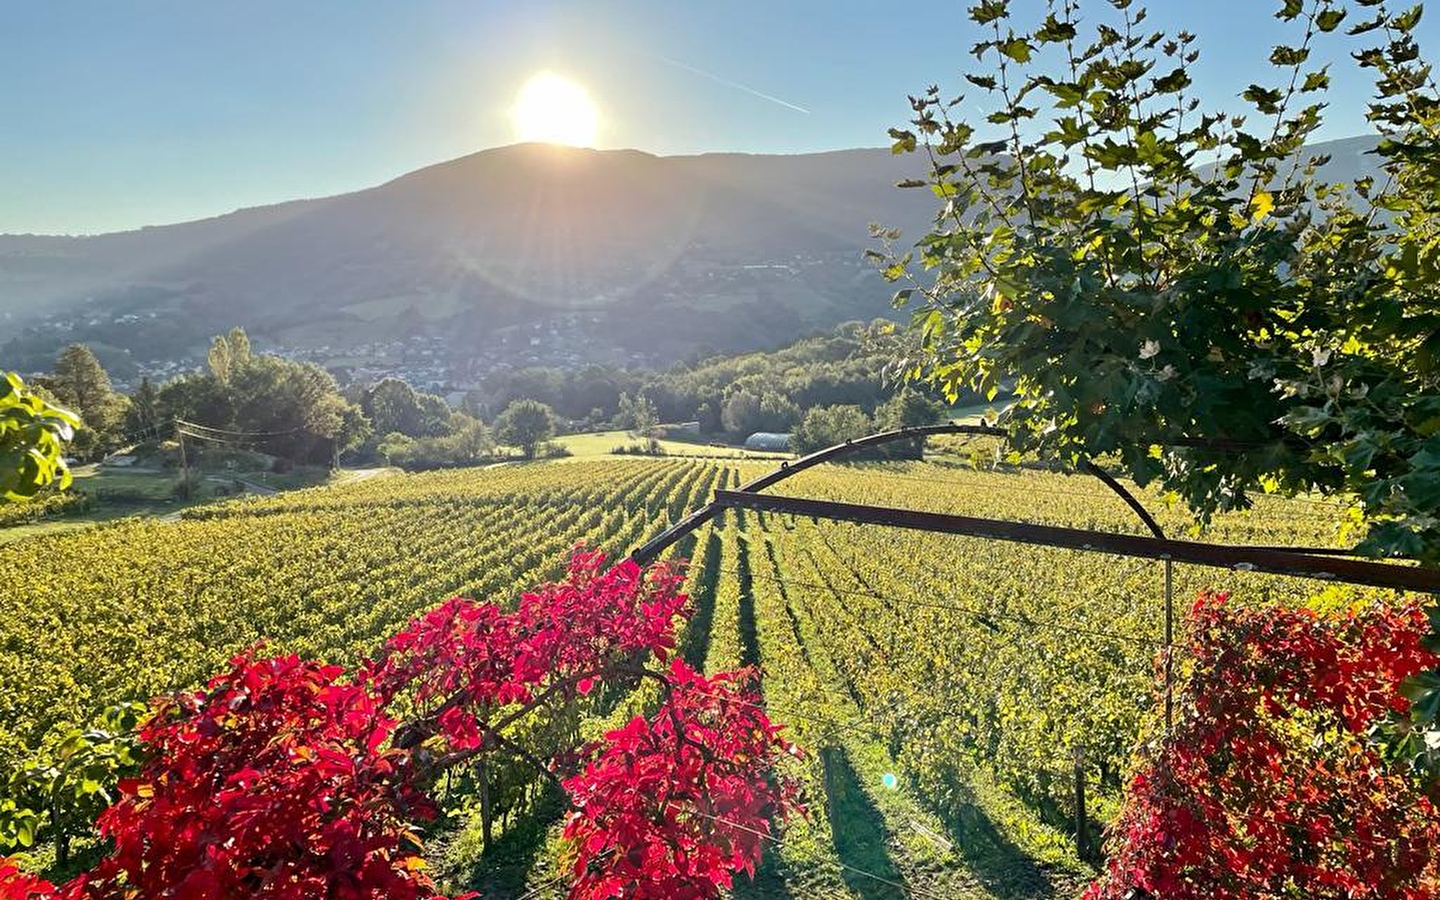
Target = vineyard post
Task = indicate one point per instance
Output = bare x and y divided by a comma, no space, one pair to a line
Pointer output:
1082,825
487,813
1169,644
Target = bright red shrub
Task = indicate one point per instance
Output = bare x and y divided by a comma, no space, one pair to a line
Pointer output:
673,805
592,620
289,779
18,885
1267,786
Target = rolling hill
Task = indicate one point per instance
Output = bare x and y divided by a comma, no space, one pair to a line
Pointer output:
526,254
504,252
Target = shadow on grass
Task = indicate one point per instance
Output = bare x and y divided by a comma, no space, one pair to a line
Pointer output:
500,872
858,831
695,643
771,881
1002,867
749,629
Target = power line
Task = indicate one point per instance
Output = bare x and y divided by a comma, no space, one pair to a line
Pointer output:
224,441
182,422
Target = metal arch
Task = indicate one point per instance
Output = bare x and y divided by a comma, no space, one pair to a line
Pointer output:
651,550
1322,564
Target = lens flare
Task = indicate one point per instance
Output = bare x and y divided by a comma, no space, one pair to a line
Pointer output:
553,109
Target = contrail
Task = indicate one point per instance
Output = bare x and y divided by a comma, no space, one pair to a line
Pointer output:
735,84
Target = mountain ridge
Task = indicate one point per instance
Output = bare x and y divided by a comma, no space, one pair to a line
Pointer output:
465,248
521,254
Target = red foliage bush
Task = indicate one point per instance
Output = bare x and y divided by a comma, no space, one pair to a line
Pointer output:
289,779
18,885
674,805
1267,787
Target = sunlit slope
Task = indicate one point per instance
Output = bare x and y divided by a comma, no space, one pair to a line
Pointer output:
129,610
944,688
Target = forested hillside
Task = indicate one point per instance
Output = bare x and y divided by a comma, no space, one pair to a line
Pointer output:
651,258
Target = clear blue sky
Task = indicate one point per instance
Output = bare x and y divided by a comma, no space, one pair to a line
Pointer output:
119,114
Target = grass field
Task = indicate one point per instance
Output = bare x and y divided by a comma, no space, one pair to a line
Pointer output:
600,443
122,493
941,686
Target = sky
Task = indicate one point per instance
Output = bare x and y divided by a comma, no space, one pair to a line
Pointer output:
122,113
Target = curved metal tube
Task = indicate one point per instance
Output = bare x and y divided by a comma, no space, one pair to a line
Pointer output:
651,550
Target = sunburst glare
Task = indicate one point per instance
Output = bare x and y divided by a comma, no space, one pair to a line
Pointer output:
553,109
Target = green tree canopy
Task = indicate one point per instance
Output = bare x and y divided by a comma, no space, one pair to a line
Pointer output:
747,411
826,426
639,415
907,409
1220,329
228,353
393,405
526,424
267,403
81,384
143,416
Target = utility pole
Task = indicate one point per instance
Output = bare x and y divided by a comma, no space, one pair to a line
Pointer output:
184,466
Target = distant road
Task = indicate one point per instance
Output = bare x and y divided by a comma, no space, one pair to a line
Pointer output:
350,476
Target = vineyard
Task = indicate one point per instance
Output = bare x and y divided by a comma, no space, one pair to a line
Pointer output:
948,691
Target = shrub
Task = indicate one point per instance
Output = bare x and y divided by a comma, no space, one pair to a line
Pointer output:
1267,786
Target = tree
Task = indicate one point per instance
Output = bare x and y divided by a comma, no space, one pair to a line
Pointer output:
468,442
33,435
778,412
1168,314
81,383
471,437
534,383
435,415
295,407
395,447
746,411
826,426
218,359
393,406
907,409
625,411
270,404
143,415
643,417
741,413
337,421
228,354
525,424
200,398
708,415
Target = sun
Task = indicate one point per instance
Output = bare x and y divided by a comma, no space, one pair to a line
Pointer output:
553,109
